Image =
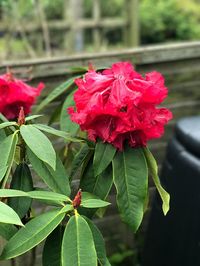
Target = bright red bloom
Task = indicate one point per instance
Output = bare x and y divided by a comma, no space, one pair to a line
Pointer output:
14,94
119,104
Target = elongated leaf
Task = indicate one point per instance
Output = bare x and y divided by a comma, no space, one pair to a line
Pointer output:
3,118
55,93
8,216
52,248
65,122
48,195
2,135
100,185
56,132
32,234
21,180
79,160
78,247
153,168
103,155
39,144
130,178
56,180
7,148
99,243
7,124
7,193
31,117
7,230
3,171
94,203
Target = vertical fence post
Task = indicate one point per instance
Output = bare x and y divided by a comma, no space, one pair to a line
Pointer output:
96,31
132,35
74,40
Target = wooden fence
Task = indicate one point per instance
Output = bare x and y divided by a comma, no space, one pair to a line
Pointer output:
72,25
179,63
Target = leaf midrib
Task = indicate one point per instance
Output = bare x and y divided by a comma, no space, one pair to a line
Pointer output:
37,232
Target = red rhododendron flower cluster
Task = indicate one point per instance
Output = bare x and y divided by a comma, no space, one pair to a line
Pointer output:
14,93
119,104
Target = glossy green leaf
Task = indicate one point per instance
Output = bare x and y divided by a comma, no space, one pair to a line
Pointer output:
32,117
52,248
32,234
94,203
7,148
55,93
7,230
99,243
3,118
131,179
8,215
48,195
78,247
65,122
153,169
55,115
56,132
100,185
7,124
103,155
79,159
39,144
2,135
21,180
7,193
57,180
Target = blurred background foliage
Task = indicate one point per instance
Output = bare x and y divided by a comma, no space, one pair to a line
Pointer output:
160,21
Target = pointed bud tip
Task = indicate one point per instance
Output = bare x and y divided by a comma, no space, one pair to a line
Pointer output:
21,117
77,200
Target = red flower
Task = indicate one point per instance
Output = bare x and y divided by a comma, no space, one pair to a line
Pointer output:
119,104
14,94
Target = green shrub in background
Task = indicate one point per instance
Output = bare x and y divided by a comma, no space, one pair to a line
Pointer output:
169,20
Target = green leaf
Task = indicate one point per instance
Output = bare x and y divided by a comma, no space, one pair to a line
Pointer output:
56,180
99,243
94,203
65,121
52,248
21,180
78,247
32,234
31,117
103,155
79,160
100,185
7,193
7,124
7,148
48,195
3,118
2,135
8,215
55,93
56,132
153,168
39,144
7,230
131,179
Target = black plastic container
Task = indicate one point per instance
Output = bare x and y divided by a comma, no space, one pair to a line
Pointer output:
174,240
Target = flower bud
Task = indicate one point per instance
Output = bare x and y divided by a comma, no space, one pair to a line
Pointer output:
77,200
21,117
